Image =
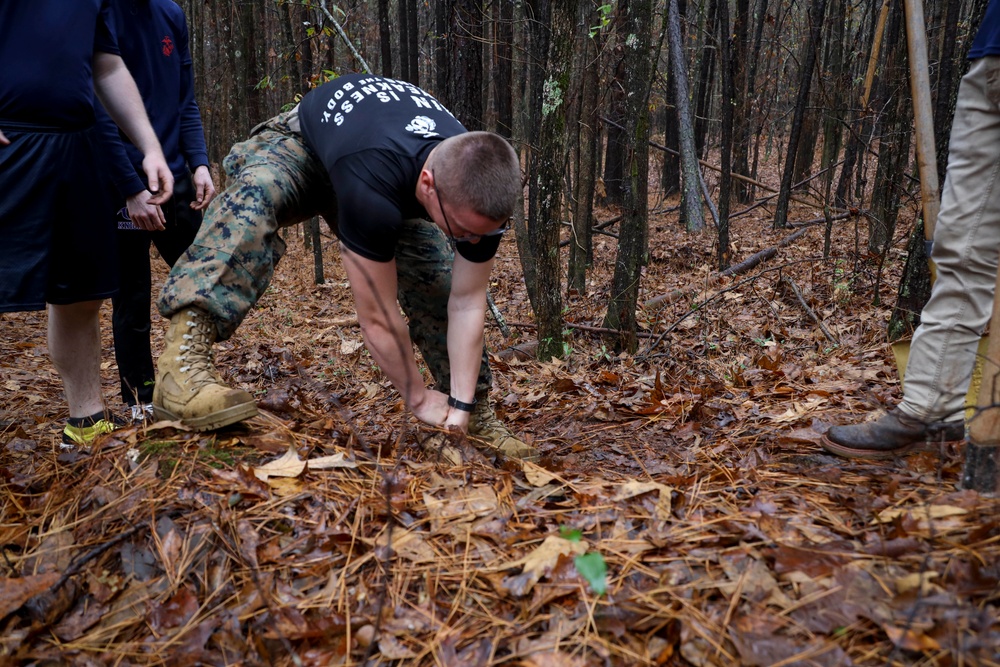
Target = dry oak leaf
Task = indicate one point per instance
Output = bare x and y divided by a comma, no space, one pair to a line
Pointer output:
15,592
461,505
290,465
637,488
541,561
536,475
943,516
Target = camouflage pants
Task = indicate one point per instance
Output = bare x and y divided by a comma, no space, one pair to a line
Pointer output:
276,181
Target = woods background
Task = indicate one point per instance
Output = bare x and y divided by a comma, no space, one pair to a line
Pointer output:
614,104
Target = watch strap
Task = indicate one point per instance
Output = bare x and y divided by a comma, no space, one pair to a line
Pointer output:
460,405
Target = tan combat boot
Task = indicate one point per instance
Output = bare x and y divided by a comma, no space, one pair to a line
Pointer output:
484,427
188,388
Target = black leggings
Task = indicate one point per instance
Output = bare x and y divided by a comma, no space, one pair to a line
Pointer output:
131,308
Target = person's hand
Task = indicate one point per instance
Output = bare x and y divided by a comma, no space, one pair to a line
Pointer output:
4,141
159,178
144,214
430,407
458,418
204,188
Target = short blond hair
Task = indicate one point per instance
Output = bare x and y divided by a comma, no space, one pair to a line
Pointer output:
481,171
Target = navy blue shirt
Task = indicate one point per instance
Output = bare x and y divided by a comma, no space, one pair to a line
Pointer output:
373,135
153,40
46,48
987,41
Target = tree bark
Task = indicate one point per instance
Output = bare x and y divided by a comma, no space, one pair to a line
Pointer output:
443,10
741,99
690,186
403,25
412,41
808,62
894,142
503,66
615,144
706,76
385,37
633,229
587,121
728,106
465,83
548,84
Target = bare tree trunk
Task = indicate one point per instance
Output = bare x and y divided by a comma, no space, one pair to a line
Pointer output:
808,63
615,94
465,83
741,99
633,229
894,142
385,37
670,178
581,246
728,105
834,76
548,83
442,48
403,25
297,82
412,41
503,66
691,184
706,78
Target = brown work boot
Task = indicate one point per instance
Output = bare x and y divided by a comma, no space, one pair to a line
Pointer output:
893,434
188,388
485,428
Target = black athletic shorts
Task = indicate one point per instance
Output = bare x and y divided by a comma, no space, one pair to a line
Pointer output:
57,229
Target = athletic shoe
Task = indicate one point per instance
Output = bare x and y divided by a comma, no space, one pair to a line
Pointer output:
82,431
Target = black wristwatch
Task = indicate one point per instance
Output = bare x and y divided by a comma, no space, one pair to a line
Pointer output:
459,405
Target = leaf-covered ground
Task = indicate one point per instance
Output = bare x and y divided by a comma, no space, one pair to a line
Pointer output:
323,533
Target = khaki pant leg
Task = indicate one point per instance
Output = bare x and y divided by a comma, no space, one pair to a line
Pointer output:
966,247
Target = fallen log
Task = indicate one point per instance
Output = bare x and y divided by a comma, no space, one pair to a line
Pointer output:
747,264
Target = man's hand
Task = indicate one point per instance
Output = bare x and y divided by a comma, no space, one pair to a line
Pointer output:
431,407
159,177
458,419
4,141
204,188
120,97
143,214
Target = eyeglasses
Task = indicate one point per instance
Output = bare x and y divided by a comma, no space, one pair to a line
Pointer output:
467,238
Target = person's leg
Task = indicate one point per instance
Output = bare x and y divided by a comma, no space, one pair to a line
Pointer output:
56,221
966,244
275,181
131,307
74,340
130,318
182,225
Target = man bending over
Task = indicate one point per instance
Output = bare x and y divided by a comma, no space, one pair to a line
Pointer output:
419,205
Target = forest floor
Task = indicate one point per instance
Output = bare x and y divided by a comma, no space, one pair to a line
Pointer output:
682,512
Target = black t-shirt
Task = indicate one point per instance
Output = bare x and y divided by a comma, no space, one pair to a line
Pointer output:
373,135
